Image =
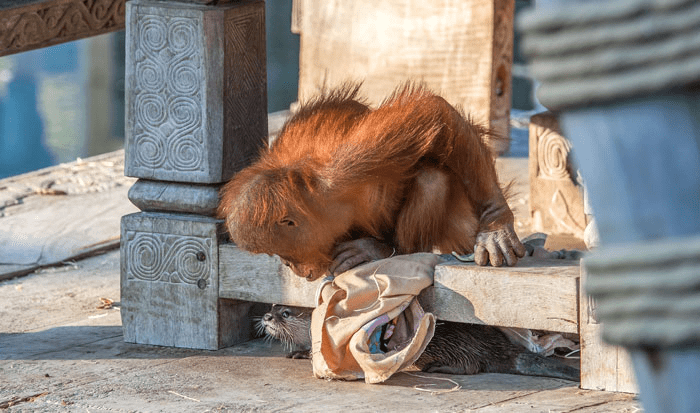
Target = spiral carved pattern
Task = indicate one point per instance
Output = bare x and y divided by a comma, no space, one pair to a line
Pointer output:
151,76
553,156
167,258
153,34
169,98
151,150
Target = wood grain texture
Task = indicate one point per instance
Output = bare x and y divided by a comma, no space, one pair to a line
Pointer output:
175,197
501,66
244,85
462,50
61,213
261,278
603,366
31,24
535,294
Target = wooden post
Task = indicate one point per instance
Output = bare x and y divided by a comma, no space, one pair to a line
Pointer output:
624,78
195,114
603,366
461,49
556,199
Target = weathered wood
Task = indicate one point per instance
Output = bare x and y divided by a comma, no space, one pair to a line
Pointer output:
61,344
61,213
174,196
170,284
261,278
556,199
562,400
32,24
461,49
195,89
536,294
195,114
603,366
624,80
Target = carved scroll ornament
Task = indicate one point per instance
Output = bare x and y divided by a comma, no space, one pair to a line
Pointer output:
168,100
168,258
47,23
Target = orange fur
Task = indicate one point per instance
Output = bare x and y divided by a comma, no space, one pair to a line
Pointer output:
413,173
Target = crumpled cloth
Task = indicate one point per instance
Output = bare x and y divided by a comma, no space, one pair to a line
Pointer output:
356,310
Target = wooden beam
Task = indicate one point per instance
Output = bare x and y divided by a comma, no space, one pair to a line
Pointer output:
32,24
537,294
261,278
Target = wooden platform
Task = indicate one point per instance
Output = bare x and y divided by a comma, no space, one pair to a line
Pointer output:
59,352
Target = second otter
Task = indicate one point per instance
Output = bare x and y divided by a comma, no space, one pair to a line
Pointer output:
455,348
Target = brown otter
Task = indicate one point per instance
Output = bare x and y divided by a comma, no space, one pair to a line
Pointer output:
456,348
290,325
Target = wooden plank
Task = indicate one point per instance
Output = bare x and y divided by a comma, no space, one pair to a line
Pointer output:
32,24
60,343
261,278
536,294
603,366
564,400
62,213
463,50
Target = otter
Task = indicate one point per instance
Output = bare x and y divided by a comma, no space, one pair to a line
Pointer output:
456,348
290,325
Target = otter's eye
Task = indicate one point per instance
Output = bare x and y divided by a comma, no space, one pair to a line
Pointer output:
285,262
285,313
288,222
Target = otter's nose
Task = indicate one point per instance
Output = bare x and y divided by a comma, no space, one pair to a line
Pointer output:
267,317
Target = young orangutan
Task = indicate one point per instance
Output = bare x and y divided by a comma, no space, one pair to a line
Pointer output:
344,184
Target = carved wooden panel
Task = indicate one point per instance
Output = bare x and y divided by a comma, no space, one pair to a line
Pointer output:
26,25
245,86
158,257
196,95
169,280
501,65
167,90
556,199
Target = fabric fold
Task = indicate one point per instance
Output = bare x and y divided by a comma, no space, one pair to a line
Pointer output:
368,323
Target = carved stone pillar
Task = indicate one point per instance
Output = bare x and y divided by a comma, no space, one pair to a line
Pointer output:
195,114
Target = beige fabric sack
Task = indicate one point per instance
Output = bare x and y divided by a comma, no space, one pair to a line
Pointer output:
359,301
